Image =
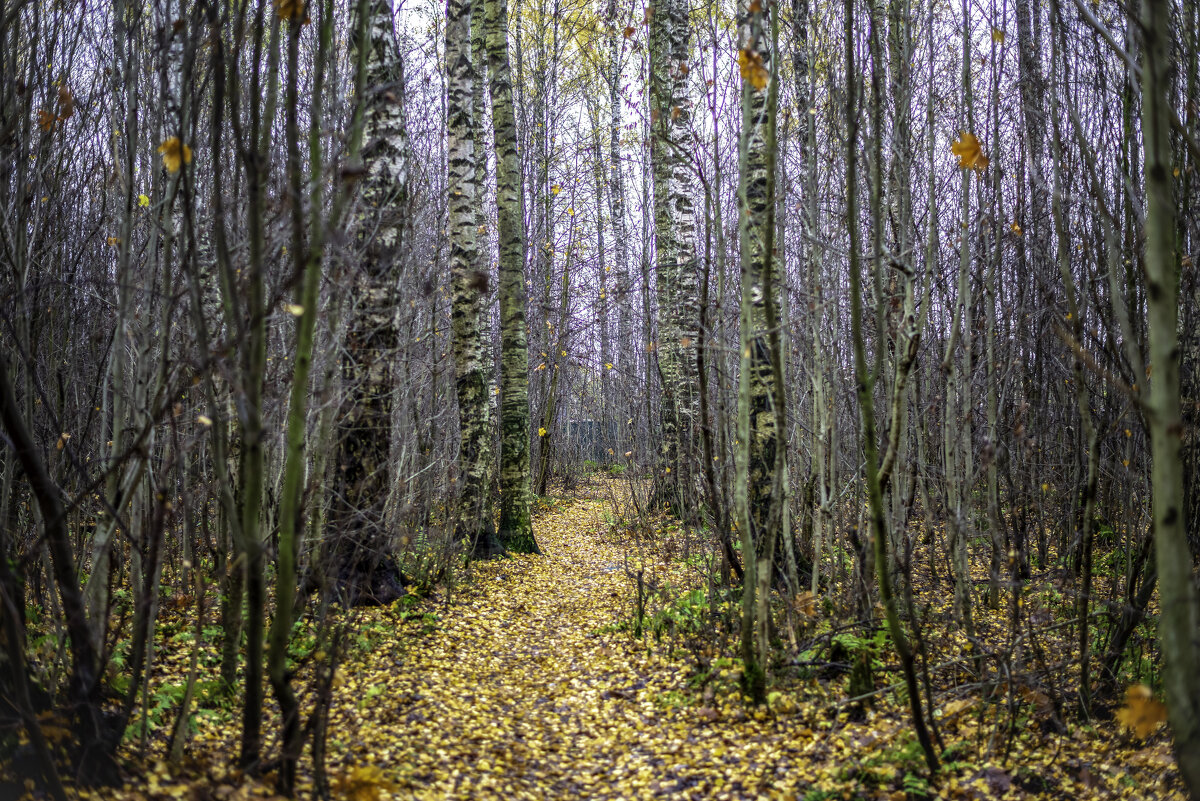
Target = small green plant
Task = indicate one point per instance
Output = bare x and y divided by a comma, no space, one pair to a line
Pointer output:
954,757
165,698
821,795
372,635
373,692
863,655
684,615
916,785
302,644
672,699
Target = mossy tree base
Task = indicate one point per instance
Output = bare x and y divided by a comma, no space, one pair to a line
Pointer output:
518,537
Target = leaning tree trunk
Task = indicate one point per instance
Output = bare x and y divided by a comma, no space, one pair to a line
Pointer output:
358,536
516,527
84,684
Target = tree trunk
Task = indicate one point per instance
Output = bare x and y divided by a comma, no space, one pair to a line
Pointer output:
84,688
1177,593
475,525
675,248
623,288
761,414
865,379
356,531
516,526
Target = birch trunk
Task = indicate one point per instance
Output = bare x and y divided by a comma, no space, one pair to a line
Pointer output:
761,418
364,474
675,247
623,288
475,525
516,527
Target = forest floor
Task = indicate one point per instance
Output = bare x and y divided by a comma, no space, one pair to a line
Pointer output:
524,682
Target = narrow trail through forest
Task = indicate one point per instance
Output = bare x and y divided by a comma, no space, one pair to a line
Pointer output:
520,693
522,680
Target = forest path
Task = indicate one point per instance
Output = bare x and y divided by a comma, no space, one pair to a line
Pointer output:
521,693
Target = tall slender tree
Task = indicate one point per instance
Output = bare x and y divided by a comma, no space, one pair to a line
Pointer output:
623,289
761,411
364,431
671,146
1177,592
475,524
516,525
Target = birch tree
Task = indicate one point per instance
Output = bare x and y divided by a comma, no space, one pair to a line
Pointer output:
516,526
760,407
475,524
675,245
356,515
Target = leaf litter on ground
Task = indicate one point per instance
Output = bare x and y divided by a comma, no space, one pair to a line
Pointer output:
527,683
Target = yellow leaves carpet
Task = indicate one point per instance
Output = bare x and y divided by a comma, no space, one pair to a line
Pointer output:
520,696
521,680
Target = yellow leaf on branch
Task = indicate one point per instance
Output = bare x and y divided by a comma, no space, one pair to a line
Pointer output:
750,64
175,154
66,103
969,151
289,9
